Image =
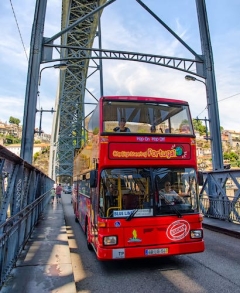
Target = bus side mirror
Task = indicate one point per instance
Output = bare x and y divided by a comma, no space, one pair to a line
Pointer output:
93,178
200,178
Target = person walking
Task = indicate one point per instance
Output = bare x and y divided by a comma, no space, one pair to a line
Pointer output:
59,192
52,193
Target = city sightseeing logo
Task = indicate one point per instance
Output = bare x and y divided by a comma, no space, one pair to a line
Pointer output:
173,152
149,153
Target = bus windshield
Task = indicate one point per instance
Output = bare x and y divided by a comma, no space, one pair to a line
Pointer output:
149,191
146,117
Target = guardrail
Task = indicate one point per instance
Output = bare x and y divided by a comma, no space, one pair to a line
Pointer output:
24,192
15,232
220,195
227,208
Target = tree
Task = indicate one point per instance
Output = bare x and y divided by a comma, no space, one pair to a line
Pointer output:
9,139
197,125
232,156
13,120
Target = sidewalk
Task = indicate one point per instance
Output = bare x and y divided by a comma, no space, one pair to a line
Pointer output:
221,226
45,264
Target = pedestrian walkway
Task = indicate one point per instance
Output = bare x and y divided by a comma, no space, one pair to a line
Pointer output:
45,264
222,226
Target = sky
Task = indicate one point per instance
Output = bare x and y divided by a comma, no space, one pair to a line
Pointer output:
127,26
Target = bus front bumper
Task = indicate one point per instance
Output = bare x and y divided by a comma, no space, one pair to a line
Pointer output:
111,253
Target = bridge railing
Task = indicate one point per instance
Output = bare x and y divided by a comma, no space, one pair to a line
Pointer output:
15,232
24,192
227,209
220,195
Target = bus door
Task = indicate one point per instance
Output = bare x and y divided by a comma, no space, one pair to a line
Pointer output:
93,207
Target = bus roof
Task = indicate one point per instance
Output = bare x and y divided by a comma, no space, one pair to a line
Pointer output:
144,99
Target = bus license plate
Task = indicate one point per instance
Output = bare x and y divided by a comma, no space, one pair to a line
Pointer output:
156,251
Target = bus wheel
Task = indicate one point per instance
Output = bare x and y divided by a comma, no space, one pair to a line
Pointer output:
89,245
76,218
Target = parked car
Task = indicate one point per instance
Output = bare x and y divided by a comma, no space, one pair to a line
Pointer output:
67,189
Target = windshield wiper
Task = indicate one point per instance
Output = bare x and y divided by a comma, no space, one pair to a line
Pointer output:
132,214
176,211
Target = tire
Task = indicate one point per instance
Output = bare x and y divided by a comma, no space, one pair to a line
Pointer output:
89,245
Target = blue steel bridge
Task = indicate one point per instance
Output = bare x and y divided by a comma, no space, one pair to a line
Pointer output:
24,190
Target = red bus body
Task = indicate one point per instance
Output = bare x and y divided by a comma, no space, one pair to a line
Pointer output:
135,221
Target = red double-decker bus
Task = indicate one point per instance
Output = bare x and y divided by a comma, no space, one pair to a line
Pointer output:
136,180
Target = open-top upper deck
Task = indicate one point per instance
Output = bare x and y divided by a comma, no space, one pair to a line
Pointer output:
141,115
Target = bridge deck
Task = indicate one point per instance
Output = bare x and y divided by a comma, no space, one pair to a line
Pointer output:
45,265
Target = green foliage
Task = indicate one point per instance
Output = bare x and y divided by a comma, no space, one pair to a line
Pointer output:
35,156
232,156
13,120
197,125
95,130
12,140
184,121
46,150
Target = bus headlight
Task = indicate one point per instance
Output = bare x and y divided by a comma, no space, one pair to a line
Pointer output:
110,240
196,234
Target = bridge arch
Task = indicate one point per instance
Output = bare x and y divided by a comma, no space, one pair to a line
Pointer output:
80,25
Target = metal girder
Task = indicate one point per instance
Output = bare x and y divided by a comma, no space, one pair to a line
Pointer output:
80,20
76,49
69,128
220,194
191,66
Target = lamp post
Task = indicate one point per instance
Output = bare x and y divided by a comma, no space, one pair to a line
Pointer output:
34,75
61,66
216,146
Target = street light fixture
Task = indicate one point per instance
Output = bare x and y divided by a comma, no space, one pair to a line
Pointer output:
192,78
189,77
61,66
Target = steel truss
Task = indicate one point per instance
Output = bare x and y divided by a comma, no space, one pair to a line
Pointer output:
183,64
80,25
76,48
68,127
220,195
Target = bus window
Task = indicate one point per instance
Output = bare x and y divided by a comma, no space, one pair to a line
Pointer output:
137,117
137,190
